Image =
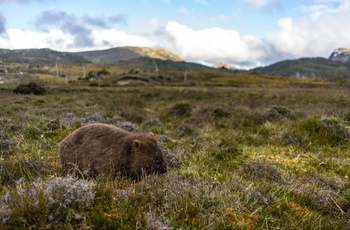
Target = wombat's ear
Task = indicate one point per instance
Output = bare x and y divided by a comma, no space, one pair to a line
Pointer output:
151,134
136,144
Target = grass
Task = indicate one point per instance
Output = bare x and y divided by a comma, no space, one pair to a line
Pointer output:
274,157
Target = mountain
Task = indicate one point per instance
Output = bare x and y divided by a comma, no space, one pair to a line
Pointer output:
48,56
341,54
152,64
137,58
39,56
127,53
313,68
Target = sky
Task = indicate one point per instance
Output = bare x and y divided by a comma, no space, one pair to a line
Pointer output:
241,33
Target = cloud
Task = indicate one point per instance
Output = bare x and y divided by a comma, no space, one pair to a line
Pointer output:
212,45
118,19
268,5
58,39
313,35
77,27
2,24
112,38
98,21
80,28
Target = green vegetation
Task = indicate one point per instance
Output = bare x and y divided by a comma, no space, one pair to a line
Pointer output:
244,152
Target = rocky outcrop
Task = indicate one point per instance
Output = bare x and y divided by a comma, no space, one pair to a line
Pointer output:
222,65
341,54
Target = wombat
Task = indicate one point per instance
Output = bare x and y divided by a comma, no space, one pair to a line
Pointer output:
105,149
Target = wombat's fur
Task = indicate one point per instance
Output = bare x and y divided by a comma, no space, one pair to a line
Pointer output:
105,149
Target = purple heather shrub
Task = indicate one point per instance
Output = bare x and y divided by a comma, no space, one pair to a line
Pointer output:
47,201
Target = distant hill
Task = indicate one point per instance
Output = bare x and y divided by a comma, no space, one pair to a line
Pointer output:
146,63
313,68
48,56
337,67
127,53
39,56
137,58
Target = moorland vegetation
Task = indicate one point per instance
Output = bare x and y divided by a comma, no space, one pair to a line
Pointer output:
244,152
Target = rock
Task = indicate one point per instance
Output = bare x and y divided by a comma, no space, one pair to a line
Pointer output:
221,65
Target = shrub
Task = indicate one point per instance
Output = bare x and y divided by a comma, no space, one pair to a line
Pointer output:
93,84
277,112
264,170
5,141
45,203
227,149
186,130
220,113
30,88
153,125
322,131
181,109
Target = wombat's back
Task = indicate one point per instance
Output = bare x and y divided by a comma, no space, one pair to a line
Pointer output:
93,149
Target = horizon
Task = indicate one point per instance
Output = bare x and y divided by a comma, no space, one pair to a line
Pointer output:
241,33
208,65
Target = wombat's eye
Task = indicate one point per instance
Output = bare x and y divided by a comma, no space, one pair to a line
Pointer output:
158,163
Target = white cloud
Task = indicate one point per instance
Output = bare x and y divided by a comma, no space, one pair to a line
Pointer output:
313,35
113,38
58,40
14,39
212,45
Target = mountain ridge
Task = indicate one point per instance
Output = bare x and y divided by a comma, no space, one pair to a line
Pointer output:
336,67
125,53
312,68
39,56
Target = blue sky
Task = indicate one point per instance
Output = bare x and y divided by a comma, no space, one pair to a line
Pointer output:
243,33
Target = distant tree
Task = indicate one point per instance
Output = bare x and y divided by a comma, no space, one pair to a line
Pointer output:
91,75
102,72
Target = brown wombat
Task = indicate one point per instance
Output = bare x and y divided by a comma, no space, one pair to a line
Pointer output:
105,149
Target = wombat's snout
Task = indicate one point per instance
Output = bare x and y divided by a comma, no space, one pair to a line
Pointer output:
161,167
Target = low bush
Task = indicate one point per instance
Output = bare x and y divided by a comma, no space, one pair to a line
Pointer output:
30,88
322,131
181,109
52,203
